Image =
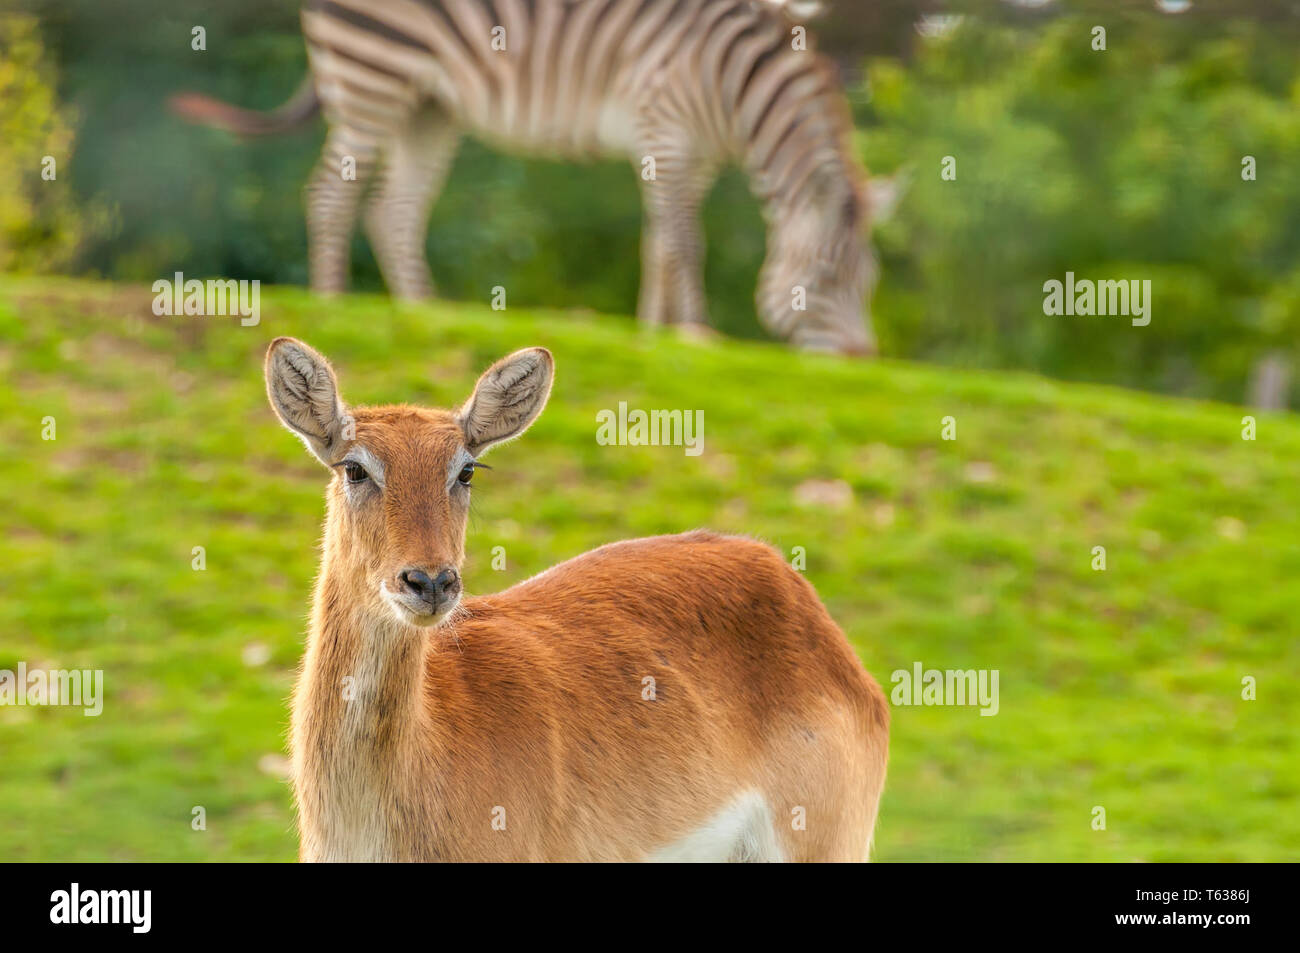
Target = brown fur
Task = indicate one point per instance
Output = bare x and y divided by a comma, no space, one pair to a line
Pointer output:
530,700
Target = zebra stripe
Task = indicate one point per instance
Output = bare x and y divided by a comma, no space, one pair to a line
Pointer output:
690,85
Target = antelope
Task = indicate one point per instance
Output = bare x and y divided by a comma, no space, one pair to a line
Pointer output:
677,698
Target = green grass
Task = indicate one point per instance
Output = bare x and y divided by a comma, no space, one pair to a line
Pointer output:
1119,688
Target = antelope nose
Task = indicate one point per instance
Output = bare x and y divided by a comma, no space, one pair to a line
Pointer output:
433,591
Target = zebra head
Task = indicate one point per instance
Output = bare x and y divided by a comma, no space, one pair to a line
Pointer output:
821,268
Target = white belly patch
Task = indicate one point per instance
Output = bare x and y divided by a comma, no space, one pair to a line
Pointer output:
742,831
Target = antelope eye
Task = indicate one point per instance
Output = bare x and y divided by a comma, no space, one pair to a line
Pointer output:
355,473
465,475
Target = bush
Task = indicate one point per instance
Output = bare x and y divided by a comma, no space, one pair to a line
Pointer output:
1126,163
40,229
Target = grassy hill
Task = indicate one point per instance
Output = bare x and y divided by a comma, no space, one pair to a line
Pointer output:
1119,688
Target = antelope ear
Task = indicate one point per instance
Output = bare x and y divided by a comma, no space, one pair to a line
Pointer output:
305,396
508,397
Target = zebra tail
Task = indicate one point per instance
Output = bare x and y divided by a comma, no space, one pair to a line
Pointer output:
303,105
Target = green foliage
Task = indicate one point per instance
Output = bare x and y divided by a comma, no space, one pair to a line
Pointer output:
1126,163
202,202
1118,164
1119,688
40,228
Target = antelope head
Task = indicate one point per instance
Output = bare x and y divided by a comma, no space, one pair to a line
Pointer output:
399,498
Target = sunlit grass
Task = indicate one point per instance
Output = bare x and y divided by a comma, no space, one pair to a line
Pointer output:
1119,689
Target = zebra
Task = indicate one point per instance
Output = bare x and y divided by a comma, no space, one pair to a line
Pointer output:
681,87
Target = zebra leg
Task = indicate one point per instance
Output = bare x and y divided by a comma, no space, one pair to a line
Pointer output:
333,200
672,275
415,166
652,305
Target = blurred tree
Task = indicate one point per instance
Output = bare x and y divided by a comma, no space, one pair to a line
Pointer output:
852,30
1169,157
40,225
